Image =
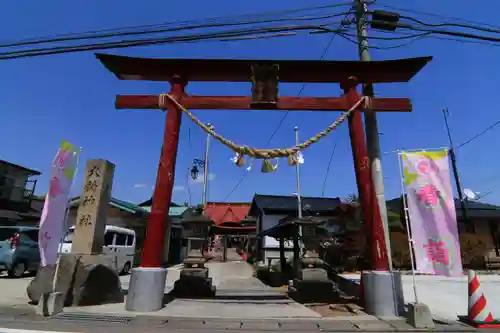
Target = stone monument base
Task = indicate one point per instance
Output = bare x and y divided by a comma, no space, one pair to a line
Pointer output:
146,289
313,285
81,280
194,281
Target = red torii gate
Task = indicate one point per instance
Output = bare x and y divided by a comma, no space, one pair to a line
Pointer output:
264,74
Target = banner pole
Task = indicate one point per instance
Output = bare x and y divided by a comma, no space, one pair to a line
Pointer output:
64,226
407,221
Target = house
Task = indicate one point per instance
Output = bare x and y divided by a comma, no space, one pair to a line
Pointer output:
268,210
484,217
17,188
175,245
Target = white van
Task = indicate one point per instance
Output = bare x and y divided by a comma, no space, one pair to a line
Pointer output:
117,241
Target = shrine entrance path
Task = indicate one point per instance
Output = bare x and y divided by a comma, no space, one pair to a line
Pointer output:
239,295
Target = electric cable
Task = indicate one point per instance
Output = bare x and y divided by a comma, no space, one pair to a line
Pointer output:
282,120
171,29
155,41
450,18
456,25
486,130
328,169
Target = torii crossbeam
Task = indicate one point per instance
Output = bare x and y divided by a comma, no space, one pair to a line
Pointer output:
265,75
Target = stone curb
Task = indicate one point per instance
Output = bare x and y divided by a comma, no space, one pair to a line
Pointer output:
478,272
23,317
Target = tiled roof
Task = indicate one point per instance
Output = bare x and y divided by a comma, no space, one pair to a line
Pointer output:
474,208
20,167
176,211
221,212
149,202
288,204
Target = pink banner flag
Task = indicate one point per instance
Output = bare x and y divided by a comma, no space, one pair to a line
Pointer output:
53,217
432,214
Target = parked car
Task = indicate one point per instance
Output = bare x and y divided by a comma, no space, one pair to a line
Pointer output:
19,251
118,242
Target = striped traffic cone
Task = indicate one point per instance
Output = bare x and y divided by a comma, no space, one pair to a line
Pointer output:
477,310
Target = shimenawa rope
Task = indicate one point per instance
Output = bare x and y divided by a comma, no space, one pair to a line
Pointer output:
256,152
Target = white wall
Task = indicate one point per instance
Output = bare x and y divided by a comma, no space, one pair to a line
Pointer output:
271,245
269,221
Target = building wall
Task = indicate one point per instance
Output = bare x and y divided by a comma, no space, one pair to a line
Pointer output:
16,179
268,246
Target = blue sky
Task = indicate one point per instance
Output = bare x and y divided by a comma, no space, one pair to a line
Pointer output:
46,99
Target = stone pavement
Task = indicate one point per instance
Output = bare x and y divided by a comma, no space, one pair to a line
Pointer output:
65,322
242,303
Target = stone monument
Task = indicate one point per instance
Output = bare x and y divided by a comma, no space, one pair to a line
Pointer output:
311,283
194,281
86,276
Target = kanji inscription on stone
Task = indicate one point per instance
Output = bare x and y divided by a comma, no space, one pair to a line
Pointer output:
90,221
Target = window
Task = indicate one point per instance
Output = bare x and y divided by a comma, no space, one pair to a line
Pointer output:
69,237
108,238
6,233
130,240
32,234
121,239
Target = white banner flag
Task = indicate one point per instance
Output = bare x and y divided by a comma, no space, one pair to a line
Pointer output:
53,218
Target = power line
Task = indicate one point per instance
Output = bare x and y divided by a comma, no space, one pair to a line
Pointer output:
441,16
328,169
259,32
325,51
163,30
234,34
487,129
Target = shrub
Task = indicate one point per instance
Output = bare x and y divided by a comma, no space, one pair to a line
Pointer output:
473,249
400,250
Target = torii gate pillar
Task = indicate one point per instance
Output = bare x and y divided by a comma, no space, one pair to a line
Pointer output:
147,282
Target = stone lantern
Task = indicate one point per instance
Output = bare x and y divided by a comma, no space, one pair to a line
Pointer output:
194,281
196,230
311,283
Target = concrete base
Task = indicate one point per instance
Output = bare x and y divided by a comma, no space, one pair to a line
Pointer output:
194,283
419,316
42,283
50,304
146,289
312,291
383,294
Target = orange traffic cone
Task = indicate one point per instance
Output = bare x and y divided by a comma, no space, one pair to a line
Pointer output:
478,313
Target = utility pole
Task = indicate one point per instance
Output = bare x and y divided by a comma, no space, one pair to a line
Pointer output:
463,205
205,174
297,176
299,199
371,126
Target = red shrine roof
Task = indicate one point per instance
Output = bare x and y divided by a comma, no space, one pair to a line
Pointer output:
221,212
